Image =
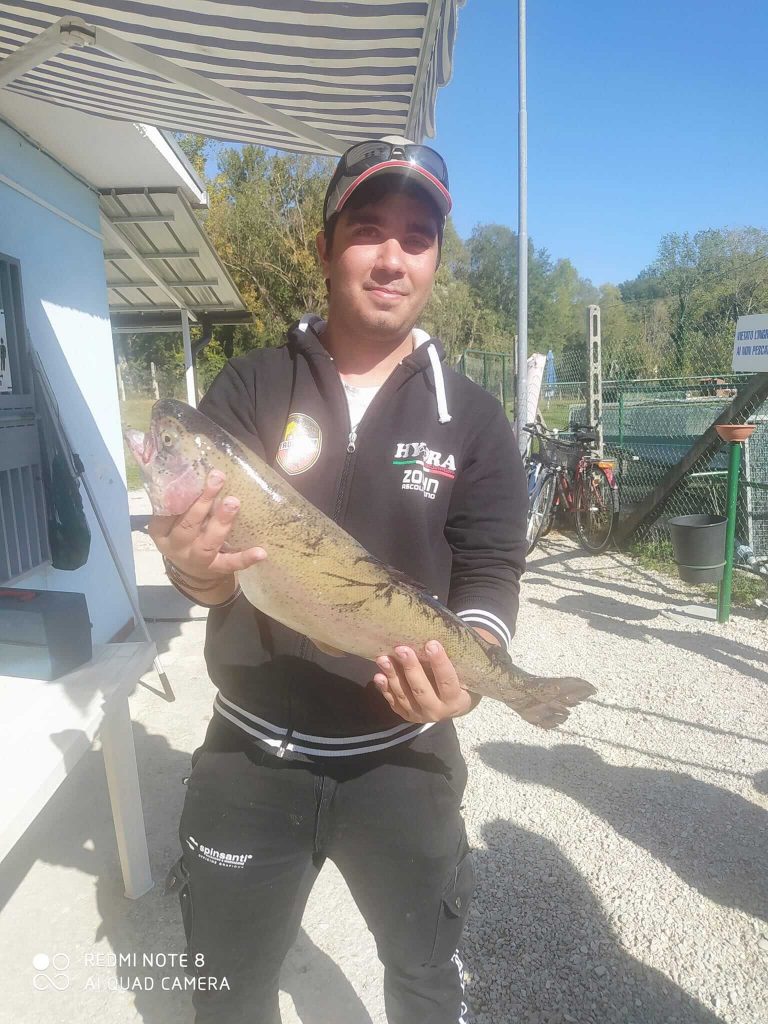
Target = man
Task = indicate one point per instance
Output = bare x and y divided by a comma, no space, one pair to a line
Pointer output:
309,755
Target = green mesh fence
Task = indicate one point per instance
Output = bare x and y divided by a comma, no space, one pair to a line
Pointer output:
657,432
492,371
650,422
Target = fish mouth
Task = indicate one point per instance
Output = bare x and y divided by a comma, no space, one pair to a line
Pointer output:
142,446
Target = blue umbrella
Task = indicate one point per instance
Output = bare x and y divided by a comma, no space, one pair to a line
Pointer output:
550,376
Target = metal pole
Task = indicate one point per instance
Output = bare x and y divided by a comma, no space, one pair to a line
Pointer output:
189,362
522,234
726,584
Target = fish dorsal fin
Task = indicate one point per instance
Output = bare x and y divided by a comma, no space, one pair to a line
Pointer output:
496,654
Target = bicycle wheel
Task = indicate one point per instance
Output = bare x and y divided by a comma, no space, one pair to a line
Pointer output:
549,519
594,508
540,509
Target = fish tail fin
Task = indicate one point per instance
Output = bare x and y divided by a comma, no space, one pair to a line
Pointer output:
552,707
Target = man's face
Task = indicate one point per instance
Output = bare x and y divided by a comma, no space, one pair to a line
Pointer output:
382,265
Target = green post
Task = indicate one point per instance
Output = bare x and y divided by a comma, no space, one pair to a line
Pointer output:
724,591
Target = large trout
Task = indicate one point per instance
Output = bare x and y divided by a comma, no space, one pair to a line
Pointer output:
316,579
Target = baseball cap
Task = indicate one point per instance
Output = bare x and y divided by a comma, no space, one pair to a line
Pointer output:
391,155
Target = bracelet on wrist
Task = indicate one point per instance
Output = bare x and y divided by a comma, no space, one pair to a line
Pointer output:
175,575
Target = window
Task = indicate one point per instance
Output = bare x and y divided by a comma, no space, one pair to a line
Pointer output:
23,528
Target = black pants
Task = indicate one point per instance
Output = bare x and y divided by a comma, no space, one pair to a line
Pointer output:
255,831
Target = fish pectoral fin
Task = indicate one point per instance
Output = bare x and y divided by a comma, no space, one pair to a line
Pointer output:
333,652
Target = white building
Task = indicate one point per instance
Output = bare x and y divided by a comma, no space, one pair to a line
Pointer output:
74,188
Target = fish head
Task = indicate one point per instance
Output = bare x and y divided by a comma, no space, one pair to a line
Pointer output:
172,458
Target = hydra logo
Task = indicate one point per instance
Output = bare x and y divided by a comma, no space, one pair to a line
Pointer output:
426,465
226,860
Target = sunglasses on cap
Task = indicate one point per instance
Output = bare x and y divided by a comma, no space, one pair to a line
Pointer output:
380,155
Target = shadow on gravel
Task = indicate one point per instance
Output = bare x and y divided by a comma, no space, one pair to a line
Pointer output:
579,580
610,616
75,831
553,957
687,722
552,570
714,840
319,988
584,584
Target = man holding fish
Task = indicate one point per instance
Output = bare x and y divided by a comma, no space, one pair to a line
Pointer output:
313,751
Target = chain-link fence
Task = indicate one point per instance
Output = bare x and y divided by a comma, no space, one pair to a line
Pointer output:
645,459
650,423
493,371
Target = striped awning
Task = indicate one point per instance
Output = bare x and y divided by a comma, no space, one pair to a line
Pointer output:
307,75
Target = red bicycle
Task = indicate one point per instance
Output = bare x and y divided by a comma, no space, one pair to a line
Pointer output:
570,478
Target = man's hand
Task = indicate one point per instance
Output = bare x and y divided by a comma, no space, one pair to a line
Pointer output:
193,541
422,693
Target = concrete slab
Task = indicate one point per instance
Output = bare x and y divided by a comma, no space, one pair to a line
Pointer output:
701,612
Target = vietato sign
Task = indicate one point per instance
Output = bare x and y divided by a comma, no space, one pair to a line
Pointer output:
750,346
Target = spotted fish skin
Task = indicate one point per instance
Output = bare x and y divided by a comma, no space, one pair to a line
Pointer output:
317,579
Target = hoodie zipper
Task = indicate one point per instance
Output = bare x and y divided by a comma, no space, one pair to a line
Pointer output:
304,646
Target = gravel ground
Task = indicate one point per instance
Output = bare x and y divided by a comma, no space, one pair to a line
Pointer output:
623,861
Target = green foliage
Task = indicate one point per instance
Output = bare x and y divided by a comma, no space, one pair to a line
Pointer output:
682,310
196,148
675,318
265,212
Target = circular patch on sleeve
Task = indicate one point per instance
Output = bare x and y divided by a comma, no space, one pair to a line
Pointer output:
300,447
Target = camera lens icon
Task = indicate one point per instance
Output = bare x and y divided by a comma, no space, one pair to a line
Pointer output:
59,963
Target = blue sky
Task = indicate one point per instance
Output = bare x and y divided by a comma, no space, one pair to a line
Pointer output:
643,118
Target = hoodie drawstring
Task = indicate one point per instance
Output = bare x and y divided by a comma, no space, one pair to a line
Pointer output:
442,405
316,325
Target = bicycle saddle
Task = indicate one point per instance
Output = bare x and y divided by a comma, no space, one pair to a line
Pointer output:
586,434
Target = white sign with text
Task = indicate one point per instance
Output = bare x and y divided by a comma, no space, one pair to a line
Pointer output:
750,346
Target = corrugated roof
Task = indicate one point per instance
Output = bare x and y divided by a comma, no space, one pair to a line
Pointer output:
159,260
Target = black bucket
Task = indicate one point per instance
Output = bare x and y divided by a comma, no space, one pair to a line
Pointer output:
699,546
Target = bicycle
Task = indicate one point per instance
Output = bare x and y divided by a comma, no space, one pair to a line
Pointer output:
566,476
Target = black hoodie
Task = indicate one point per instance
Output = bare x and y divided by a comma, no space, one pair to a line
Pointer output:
432,483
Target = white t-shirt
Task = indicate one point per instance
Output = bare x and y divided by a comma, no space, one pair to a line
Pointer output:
358,400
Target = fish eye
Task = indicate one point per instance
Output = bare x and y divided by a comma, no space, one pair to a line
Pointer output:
166,438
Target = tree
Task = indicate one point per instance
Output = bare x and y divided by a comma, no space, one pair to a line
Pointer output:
265,211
